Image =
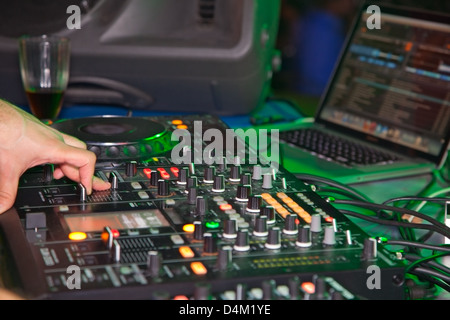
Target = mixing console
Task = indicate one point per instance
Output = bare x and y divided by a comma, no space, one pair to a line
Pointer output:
229,231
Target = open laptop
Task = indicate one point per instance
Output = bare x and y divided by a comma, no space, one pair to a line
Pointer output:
390,91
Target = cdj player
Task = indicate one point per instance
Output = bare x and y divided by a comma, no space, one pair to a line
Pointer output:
165,230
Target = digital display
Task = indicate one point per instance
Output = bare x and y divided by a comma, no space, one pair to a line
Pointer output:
152,218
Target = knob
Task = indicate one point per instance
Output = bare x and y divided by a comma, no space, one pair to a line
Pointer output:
82,192
267,181
163,188
154,262
257,172
316,223
245,178
108,237
229,229
155,176
241,291
269,212
273,239
114,181
329,237
294,285
224,258
268,289
243,192
219,184
209,244
131,168
209,175
260,229
370,249
202,291
254,203
242,241
235,173
182,176
304,237
198,230
116,251
200,206
192,195
192,182
290,225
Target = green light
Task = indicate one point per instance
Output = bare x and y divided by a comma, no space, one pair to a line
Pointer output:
212,224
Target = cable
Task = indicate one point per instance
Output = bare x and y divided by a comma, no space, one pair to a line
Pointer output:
338,185
417,245
427,260
443,229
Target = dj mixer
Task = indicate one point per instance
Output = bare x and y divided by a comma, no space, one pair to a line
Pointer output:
227,230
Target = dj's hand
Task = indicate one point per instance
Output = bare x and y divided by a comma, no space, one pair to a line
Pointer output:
26,142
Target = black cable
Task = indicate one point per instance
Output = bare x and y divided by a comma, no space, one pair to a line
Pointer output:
436,281
392,223
417,245
433,273
439,226
427,260
333,183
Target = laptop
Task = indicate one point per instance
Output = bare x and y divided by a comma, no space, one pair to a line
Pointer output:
390,92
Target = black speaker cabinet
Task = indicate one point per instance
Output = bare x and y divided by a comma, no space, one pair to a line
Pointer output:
214,56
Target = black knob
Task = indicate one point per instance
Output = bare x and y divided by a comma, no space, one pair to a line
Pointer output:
370,249
202,291
192,195
269,212
229,229
260,229
198,230
154,262
242,241
273,239
290,225
163,188
155,176
201,206
254,203
224,258
304,236
245,178
191,182
182,176
209,244
243,192
235,173
209,175
131,168
219,184
48,173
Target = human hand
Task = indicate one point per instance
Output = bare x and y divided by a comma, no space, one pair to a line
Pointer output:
26,142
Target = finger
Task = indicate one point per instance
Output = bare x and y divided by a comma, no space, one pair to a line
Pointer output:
8,190
100,185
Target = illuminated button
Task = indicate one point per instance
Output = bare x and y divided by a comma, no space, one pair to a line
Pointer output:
281,195
329,219
180,297
186,252
77,236
164,173
148,172
212,224
225,207
198,268
136,185
308,287
182,126
266,196
175,171
177,122
189,228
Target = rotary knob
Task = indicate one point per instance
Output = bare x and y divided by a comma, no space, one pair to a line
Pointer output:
131,168
273,239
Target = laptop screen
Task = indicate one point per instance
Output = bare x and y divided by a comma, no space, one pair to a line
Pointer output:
392,84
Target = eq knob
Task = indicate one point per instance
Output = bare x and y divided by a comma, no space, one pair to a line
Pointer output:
260,228
235,173
229,229
290,225
273,239
243,192
304,236
163,188
209,244
155,176
183,176
209,175
224,258
242,242
269,212
219,184
254,203
198,230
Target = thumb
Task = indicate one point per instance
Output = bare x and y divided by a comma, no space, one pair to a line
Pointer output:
8,193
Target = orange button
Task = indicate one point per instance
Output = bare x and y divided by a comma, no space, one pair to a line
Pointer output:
198,268
182,126
77,236
189,227
177,122
225,206
186,252
308,287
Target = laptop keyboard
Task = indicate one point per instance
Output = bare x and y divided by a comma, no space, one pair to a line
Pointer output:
335,148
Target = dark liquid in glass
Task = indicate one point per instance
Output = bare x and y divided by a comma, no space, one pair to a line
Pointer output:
45,104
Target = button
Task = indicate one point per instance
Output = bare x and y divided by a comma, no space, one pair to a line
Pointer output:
198,268
186,252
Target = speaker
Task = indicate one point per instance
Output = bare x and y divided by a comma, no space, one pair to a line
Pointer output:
214,56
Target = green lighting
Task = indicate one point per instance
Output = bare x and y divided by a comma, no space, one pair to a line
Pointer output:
212,224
